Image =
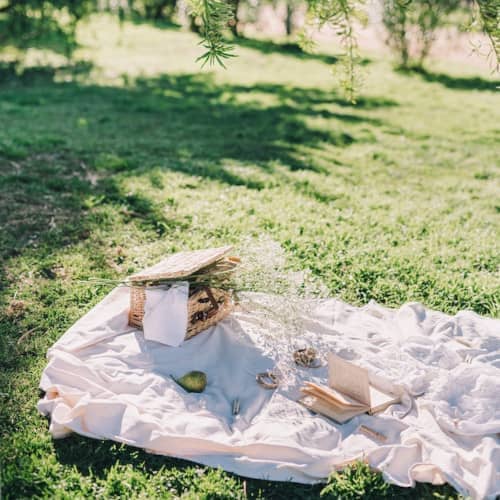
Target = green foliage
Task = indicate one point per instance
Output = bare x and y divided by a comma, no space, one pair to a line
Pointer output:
341,15
355,481
359,481
111,162
216,17
54,21
490,15
395,18
411,26
155,10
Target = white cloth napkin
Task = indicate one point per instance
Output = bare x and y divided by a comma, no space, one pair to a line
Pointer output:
165,314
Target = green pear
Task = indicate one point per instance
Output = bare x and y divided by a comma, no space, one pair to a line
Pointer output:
194,381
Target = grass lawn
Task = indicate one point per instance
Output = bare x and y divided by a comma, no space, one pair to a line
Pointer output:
135,152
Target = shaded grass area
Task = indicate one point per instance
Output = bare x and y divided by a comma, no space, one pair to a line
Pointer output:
455,82
393,200
33,31
266,46
285,48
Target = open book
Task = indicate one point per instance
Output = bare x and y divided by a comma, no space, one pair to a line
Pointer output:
349,392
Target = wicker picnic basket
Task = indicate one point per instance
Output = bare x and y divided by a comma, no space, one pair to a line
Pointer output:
206,305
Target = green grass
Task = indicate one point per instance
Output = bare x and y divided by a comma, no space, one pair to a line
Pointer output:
135,153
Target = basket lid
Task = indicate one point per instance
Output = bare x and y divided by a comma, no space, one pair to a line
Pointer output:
182,264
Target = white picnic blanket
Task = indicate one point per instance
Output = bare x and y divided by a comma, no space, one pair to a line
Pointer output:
104,380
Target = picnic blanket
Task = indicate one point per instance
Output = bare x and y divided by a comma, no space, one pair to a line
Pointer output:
104,380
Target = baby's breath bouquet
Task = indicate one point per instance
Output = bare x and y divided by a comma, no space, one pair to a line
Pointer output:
280,300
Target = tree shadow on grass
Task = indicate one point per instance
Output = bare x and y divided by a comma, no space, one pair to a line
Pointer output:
40,32
291,49
59,132
12,73
69,148
308,100
285,49
455,82
97,457
212,124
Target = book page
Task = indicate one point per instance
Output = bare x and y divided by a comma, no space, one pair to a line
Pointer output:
339,415
381,400
332,396
348,378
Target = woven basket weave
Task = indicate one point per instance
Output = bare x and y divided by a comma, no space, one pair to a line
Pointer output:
206,306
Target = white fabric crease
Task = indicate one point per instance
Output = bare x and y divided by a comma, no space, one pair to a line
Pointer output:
104,380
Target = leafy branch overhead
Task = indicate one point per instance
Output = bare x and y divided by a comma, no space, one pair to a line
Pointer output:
216,16
340,15
490,16
22,20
